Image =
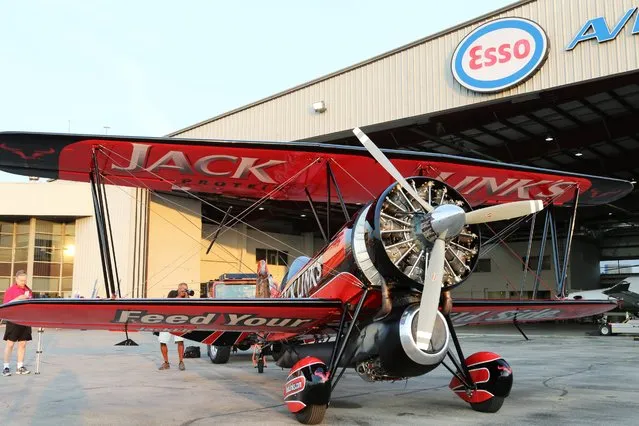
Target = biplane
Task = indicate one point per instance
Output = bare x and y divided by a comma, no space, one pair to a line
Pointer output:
377,298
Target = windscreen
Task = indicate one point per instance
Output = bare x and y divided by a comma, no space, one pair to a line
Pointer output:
234,291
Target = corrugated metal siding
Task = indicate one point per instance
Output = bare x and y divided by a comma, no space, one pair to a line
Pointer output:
87,266
418,81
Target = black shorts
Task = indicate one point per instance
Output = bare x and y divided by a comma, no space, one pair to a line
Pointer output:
16,332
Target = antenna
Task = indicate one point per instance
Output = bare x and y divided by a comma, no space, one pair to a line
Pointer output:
106,129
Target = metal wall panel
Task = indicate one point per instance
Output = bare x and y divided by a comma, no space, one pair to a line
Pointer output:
416,80
87,267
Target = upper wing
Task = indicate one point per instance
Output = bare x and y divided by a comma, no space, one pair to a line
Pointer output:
504,311
175,315
253,169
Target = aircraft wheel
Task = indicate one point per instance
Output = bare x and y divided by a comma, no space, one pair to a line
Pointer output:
493,379
244,346
311,415
219,354
260,365
490,406
307,390
276,351
604,330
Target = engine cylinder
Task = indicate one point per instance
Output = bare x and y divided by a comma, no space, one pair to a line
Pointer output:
401,234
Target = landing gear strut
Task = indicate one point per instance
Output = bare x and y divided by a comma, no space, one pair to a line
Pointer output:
308,388
484,379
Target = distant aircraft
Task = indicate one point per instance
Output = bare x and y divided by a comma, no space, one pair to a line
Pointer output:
626,292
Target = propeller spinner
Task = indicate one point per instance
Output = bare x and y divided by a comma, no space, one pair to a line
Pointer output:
445,222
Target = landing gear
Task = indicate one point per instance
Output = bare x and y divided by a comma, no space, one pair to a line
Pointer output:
308,390
310,382
484,379
259,358
492,379
219,354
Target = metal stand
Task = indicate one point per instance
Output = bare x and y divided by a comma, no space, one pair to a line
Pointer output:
516,324
39,350
127,341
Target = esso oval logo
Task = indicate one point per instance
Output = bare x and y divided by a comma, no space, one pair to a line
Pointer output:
499,54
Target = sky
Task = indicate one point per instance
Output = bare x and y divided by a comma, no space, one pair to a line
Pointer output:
147,68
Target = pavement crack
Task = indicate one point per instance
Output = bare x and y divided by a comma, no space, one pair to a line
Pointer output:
192,421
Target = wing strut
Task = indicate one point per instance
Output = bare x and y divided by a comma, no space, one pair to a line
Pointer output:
339,192
105,236
319,223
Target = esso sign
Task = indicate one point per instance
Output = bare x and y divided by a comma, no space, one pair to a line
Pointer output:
499,54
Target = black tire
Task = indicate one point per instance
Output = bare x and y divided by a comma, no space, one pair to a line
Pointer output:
491,406
219,354
244,346
276,352
311,415
604,330
260,365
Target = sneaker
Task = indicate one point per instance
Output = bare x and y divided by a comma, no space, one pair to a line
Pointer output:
6,372
22,370
165,366
181,366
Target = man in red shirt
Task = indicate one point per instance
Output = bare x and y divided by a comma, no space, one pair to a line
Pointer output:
14,332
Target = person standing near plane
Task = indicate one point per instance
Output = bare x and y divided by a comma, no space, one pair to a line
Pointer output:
165,337
15,332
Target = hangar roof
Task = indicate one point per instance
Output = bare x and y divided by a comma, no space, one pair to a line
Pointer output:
588,128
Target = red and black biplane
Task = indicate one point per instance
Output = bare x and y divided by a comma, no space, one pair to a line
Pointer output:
381,289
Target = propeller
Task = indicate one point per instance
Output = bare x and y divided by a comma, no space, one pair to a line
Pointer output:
388,166
504,211
451,220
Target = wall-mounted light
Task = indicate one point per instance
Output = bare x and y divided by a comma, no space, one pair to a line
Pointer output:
319,106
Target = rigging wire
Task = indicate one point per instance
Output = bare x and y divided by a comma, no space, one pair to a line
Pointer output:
237,218
331,272
201,244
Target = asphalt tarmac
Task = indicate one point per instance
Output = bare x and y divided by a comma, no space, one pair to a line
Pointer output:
561,376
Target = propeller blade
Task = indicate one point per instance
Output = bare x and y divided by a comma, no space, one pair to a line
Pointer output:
388,166
430,295
504,211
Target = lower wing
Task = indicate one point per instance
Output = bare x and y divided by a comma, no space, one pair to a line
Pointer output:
175,315
469,311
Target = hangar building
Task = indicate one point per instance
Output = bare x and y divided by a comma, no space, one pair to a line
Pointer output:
541,83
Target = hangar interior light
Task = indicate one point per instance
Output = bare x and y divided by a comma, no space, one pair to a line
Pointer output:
549,138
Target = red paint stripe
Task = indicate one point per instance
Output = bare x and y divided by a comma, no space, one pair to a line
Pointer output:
481,357
241,337
212,338
295,406
304,363
479,375
476,397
